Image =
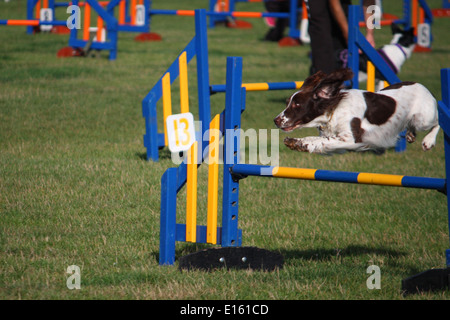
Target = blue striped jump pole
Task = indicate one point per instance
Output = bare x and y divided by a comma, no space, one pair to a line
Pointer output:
444,122
261,86
235,95
340,176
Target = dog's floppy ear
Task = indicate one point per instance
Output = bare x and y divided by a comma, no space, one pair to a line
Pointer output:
312,81
332,84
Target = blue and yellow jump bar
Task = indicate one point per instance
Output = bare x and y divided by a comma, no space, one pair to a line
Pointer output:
340,176
262,86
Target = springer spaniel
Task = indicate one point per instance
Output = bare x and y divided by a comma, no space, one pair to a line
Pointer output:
357,120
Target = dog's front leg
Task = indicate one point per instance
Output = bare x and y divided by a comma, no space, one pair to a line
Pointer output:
295,144
324,145
308,144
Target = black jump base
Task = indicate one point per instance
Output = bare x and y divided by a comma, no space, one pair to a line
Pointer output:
430,280
232,258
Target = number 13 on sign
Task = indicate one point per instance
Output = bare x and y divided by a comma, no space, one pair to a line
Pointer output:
180,131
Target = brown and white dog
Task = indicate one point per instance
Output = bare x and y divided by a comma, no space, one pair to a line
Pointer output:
357,120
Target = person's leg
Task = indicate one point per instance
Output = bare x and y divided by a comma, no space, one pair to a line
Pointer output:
276,33
321,36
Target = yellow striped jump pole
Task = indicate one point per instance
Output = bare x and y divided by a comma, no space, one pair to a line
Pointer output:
167,103
213,180
262,86
184,93
340,176
191,199
370,77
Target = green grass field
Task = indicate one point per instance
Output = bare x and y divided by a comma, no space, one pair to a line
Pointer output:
76,189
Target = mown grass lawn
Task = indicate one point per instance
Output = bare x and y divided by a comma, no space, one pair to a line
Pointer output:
76,189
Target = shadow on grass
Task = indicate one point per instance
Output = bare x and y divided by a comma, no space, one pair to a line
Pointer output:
163,155
281,101
185,249
321,255
328,254
141,155
291,255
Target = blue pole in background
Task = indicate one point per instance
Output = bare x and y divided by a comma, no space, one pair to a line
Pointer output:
444,122
233,100
201,42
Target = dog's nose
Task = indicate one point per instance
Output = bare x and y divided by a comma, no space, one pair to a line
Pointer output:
277,121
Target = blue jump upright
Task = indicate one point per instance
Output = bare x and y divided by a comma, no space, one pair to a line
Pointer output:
174,179
111,25
197,47
444,122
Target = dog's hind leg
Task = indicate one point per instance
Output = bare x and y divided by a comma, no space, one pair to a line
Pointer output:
411,135
420,122
429,141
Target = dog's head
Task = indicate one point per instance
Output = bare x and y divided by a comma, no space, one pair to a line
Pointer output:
318,96
405,38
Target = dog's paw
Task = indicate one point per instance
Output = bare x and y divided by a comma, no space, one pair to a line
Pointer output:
296,144
410,137
427,145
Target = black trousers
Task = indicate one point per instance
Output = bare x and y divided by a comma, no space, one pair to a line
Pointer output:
276,33
328,45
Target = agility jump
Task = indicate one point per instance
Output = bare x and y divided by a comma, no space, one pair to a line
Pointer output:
228,12
228,235
132,16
